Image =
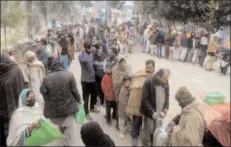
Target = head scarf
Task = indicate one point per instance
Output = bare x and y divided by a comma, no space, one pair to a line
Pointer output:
220,128
184,97
6,64
23,96
28,55
93,135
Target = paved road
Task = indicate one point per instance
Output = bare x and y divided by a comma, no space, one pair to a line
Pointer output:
182,74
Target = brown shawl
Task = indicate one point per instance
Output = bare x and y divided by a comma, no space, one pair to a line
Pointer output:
133,106
190,131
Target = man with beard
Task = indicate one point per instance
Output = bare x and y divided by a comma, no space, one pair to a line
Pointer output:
88,78
99,58
61,98
133,106
154,104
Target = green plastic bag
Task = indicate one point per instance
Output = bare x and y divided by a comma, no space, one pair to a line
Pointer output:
214,98
43,135
80,115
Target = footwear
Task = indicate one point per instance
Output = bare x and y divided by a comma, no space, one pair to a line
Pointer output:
96,110
134,142
117,127
121,135
109,123
88,117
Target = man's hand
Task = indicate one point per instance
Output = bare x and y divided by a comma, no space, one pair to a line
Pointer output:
169,130
165,111
35,125
155,115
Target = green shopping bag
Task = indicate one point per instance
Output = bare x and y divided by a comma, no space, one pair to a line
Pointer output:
43,135
80,115
214,98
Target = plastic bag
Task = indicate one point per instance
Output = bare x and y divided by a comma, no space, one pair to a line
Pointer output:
43,135
80,115
214,98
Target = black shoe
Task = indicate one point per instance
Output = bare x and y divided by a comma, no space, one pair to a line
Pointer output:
109,122
117,127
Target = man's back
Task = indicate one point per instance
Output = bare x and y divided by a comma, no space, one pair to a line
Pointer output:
57,90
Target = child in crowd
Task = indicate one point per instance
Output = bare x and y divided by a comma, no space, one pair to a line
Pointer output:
123,101
109,95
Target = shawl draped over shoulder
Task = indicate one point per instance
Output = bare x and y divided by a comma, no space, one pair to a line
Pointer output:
21,119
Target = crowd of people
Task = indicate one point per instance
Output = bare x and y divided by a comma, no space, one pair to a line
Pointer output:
195,46
40,85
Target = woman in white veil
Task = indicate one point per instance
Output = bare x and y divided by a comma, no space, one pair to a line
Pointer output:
24,119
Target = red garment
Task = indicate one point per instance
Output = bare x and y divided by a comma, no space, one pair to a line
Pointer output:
107,88
220,128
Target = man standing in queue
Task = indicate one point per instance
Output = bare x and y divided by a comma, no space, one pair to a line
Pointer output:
154,103
88,79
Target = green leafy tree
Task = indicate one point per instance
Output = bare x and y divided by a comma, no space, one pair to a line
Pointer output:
11,16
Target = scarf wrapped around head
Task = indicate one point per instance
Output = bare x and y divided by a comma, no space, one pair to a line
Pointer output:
23,96
184,97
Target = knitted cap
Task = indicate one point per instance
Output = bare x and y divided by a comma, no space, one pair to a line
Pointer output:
184,97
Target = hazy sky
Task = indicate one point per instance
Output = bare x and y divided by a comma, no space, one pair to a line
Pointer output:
129,2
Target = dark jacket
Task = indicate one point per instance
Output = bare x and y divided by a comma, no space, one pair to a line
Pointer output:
60,93
190,42
99,72
153,38
148,102
160,38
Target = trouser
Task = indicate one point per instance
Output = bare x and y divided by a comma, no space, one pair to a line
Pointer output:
144,44
136,126
159,50
67,127
171,53
147,133
89,89
166,47
124,124
177,53
141,39
64,60
110,105
153,49
147,47
99,91
4,126
121,46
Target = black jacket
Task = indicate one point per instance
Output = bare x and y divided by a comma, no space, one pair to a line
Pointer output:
148,102
60,93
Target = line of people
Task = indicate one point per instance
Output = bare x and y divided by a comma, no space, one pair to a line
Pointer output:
200,47
139,101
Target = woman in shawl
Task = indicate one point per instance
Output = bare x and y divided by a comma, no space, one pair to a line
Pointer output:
24,65
11,84
218,133
93,135
37,73
24,119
